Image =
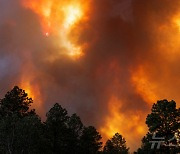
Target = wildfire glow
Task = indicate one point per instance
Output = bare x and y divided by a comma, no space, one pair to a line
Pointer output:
143,86
28,89
72,14
176,21
59,20
118,122
33,92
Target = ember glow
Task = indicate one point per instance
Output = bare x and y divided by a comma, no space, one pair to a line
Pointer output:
117,122
58,19
34,93
106,60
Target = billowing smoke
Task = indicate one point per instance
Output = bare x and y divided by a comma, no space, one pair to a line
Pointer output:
129,58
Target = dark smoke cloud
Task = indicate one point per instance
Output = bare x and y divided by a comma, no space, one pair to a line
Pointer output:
121,36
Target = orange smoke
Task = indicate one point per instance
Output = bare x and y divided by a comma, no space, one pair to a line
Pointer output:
61,22
59,19
130,125
143,87
34,92
154,84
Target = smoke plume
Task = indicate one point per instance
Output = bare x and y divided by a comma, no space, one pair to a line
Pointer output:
106,60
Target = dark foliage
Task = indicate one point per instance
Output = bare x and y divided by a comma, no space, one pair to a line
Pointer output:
90,141
163,121
23,132
15,102
116,145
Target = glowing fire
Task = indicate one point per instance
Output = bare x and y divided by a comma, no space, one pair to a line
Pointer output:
176,21
33,92
125,125
143,87
72,14
58,19
28,89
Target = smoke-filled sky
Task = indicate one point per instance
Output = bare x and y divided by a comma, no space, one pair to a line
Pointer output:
106,60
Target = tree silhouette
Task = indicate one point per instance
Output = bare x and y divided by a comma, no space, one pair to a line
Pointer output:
90,141
164,121
75,129
15,102
22,131
57,129
116,145
20,128
29,136
164,118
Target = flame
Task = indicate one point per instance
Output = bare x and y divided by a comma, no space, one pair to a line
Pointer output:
28,89
143,87
33,92
72,14
59,19
123,124
146,84
168,43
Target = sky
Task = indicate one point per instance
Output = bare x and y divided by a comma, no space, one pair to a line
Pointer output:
106,60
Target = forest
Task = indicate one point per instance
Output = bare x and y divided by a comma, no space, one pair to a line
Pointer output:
23,132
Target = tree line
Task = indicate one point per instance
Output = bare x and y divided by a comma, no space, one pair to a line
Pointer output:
23,132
